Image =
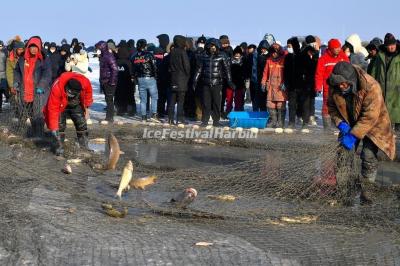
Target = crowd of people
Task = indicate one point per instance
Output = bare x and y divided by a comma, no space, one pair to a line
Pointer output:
359,83
204,77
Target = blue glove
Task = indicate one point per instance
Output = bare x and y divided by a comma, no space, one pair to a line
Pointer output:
344,128
283,87
39,91
348,141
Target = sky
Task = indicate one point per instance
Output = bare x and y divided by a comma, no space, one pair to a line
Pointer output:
91,21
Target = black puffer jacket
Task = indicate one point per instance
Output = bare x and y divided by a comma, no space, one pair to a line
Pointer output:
144,65
212,69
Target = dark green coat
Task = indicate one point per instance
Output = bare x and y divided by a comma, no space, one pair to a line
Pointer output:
388,77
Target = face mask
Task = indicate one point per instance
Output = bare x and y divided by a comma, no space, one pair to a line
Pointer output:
200,45
98,52
347,54
52,50
290,50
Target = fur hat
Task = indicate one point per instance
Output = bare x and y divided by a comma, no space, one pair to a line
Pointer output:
343,72
390,39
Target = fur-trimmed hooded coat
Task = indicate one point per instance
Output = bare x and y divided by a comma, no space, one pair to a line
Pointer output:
369,112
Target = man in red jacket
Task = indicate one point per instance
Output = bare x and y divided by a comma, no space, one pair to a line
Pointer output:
325,66
70,96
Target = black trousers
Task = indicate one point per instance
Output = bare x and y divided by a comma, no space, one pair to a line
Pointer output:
293,106
109,92
77,116
190,103
253,96
211,103
162,100
261,99
176,97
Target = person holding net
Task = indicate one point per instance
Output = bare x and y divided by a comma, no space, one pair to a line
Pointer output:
357,107
32,77
70,96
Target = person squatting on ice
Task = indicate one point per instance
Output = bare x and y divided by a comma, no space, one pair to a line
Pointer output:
358,109
70,96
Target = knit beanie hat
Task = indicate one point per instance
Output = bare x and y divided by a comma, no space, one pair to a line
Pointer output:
334,44
73,87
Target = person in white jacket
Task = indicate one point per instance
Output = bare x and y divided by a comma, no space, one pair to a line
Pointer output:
78,62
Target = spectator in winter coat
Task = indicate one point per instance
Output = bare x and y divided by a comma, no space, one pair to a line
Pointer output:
326,63
108,77
261,60
273,83
292,79
228,50
365,118
57,63
211,70
238,78
386,71
373,50
198,95
17,50
248,61
125,92
357,53
307,66
78,62
190,98
131,47
163,40
14,55
163,80
145,71
32,77
3,79
71,94
179,67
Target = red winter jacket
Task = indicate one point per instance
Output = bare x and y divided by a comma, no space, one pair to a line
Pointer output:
58,100
326,63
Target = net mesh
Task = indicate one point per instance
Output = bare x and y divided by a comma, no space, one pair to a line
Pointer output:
286,203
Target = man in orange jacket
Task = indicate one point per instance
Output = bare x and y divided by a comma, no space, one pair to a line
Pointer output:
70,96
325,65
